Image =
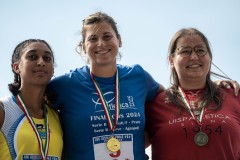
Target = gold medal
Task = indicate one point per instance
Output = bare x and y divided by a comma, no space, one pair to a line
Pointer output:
113,144
201,139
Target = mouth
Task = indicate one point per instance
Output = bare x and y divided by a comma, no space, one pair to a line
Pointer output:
194,66
103,51
40,72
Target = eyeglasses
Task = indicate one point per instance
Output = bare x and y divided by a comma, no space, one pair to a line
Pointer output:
187,51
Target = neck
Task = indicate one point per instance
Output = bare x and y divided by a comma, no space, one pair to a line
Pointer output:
192,85
103,71
33,100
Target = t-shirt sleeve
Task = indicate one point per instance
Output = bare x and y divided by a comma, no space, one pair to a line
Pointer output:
152,86
55,91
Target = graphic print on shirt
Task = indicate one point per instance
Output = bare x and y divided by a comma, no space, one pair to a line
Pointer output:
129,121
125,153
213,123
30,138
20,137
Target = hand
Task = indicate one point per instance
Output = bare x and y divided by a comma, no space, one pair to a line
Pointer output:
229,84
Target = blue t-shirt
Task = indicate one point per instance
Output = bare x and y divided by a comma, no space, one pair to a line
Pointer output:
84,122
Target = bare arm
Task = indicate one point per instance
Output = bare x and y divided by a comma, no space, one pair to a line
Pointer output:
2,114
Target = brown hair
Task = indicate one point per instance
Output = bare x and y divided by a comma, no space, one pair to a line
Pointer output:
212,94
96,18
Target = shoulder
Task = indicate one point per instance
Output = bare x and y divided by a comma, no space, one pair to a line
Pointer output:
73,75
4,103
78,72
134,69
230,102
127,67
228,94
1,105
1,114
7,99
160,98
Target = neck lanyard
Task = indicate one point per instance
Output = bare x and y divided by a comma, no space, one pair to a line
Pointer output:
43,148
200,138
111,124
187,104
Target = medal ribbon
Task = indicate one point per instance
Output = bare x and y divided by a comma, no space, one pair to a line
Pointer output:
43,149
111,124
187,104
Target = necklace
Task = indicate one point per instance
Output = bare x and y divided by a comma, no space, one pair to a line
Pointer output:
201,138
43,148
113,144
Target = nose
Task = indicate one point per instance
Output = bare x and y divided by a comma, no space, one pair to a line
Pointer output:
40,62
193,55
100,42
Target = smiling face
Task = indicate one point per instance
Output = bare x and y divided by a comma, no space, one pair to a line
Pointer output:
194,68
101,44
35,65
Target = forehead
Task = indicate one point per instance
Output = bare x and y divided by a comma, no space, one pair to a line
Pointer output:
98,29
190,40
37,46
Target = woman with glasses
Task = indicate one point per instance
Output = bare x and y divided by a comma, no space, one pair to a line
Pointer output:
194,118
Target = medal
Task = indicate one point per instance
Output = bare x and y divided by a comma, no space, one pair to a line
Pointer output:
43,148
201,139
113,144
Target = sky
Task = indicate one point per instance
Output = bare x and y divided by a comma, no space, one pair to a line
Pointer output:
146,28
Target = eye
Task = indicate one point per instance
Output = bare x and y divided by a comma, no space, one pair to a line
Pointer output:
31,57
200,51
48,58
92,38
107,37
186,51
